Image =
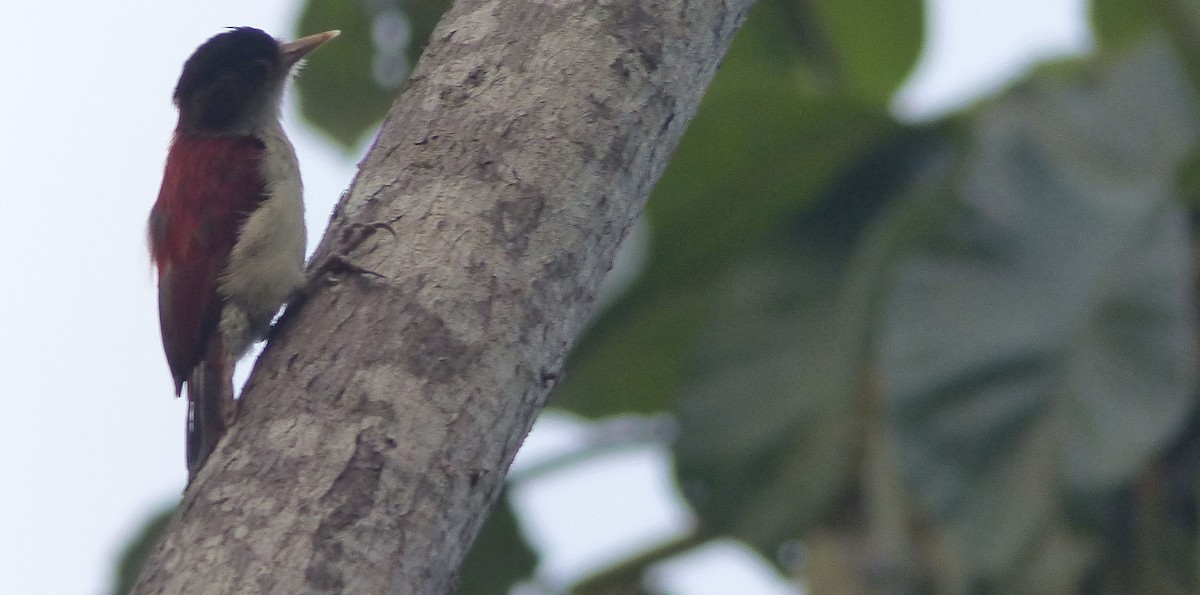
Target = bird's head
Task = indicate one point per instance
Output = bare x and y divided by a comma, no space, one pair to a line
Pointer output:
234,81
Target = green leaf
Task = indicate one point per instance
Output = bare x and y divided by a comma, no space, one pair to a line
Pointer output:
348,86
768,41
759,149
129,565
875,43
1037,350
1187,178
749,159
767,437
860,49
423,16
338,91
500,558
771,420
632,359
1120,24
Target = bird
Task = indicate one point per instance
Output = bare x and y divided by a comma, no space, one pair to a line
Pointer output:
226,233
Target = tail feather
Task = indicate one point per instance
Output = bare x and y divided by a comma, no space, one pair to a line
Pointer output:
211,407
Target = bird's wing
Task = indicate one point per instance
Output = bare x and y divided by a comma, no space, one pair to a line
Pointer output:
210,185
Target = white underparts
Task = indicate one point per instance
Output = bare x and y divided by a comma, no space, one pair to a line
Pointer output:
266,265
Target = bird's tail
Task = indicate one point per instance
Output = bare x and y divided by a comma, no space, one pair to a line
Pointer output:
211,408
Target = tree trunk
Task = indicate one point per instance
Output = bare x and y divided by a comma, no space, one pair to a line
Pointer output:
377,428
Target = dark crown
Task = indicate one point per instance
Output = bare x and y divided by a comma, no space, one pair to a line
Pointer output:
224,74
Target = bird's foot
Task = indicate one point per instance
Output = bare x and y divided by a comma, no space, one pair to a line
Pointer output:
339,263
327,273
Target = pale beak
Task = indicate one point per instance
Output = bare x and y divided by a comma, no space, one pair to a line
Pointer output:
293,51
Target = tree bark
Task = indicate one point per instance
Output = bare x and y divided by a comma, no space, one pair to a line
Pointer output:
378,425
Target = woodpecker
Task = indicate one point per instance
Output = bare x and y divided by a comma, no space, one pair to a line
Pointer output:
226,233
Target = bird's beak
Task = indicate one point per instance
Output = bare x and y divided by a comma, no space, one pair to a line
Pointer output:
294,51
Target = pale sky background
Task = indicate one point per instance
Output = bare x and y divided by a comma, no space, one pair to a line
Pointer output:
91,440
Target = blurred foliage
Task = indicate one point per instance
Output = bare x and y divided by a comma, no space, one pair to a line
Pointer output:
129,564
348,86
866,47
950,357
1119,24
500,558
1038,345
788,324
939,357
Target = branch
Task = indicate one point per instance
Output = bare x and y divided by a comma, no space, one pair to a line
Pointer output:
378,425
628,575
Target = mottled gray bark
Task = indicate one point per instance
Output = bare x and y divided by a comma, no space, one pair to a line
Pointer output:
378,425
